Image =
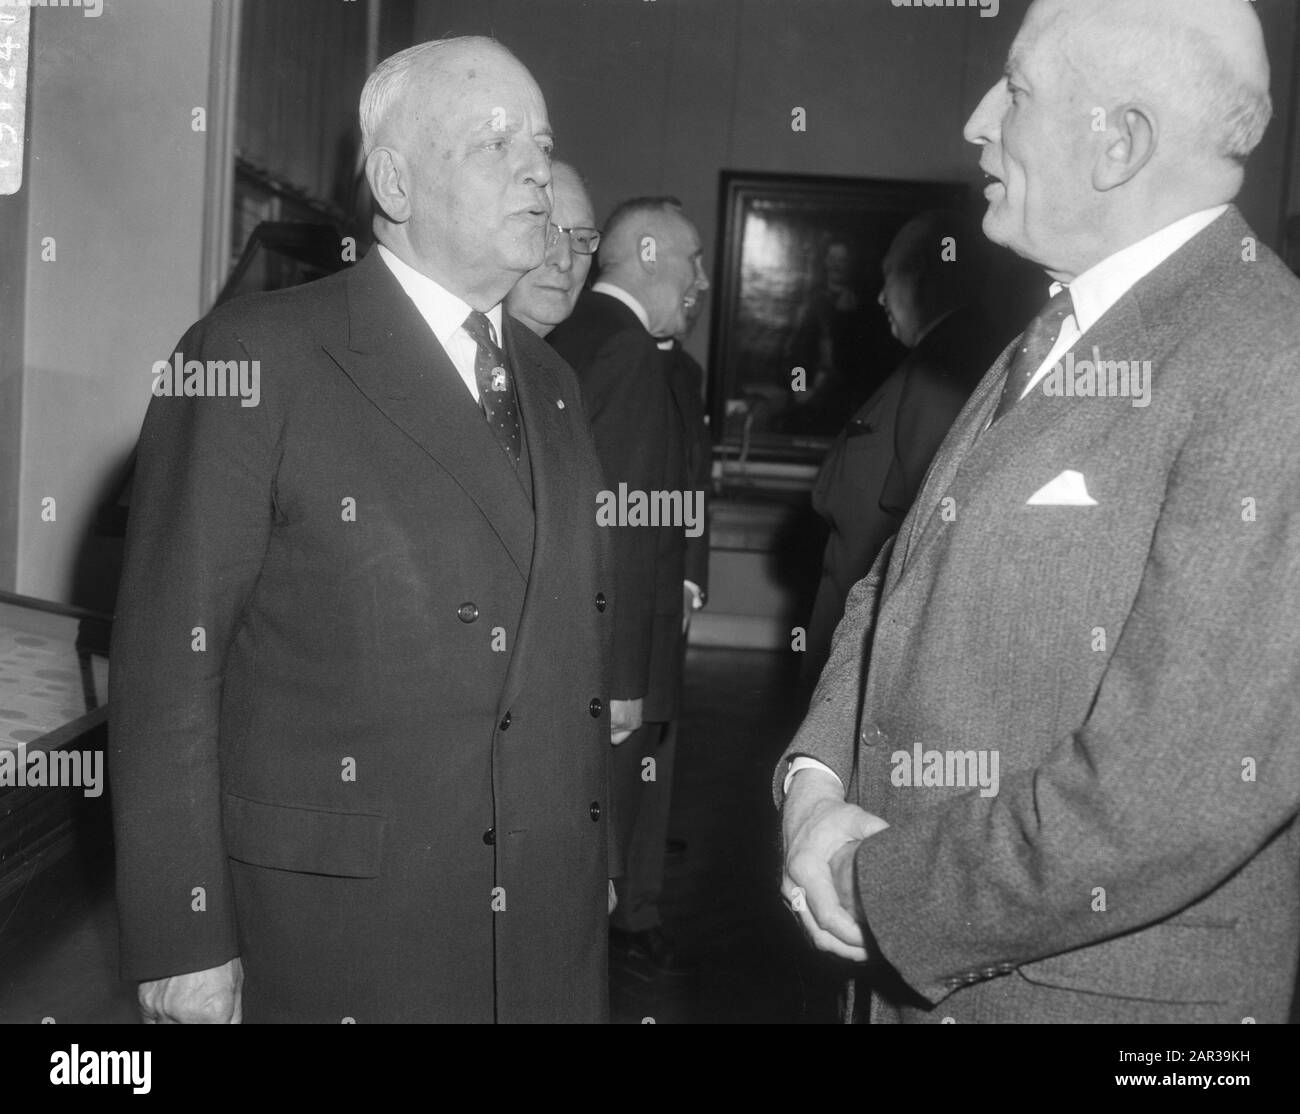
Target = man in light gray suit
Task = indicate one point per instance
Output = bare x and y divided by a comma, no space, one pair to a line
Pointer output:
1051,772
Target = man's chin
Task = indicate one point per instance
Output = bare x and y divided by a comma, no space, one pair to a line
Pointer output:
996,228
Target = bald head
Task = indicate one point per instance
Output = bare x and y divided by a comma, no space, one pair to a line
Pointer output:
416,79
458,159
1115,118
1201,64
650,249
931,269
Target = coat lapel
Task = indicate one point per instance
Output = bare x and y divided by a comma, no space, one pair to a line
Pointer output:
966,430
558,488
395,361
1145,323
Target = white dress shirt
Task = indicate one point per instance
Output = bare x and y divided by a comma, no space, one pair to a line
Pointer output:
618,293
1093,293
1100,287
445,315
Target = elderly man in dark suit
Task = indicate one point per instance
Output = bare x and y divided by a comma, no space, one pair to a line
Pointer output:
360,702
651,276
1066,787
875,466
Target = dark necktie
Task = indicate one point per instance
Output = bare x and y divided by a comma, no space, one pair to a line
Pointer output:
1039,340
496,393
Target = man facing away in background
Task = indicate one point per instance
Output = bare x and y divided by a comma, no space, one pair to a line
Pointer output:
875,466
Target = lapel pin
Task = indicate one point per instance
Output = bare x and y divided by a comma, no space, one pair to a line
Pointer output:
560,404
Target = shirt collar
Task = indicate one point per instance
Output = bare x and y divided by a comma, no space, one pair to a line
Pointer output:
619,294
444,312
1101,286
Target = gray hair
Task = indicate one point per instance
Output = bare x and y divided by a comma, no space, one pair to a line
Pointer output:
1218,101
1233,113
384,87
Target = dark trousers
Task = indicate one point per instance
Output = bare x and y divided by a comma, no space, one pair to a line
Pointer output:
642,800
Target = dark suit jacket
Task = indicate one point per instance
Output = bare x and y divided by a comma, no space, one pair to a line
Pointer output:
690,464
1130,657
625,391
686,381
379,776
875,467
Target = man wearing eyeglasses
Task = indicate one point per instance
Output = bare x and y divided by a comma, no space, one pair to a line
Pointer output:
547,294
650,277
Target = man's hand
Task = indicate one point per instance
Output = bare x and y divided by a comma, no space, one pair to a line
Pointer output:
624,718
819,827
844,876
211,997
613,898
688,607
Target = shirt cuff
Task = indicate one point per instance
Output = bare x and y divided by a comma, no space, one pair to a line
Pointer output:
804,763
697,592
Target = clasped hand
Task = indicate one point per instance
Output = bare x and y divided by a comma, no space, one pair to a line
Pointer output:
821,835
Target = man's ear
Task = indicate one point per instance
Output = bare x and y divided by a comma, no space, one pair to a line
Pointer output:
1131,142
386,174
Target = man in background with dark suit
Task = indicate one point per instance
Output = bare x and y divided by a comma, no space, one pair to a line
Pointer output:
651,276
684,575
1050,773
359,703
875,467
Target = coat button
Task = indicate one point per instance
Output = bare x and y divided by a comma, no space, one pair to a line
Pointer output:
872,736
490,836
601,602
468,613
505,723
595,707
595,811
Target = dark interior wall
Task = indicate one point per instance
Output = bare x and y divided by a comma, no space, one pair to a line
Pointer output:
659,96
301,68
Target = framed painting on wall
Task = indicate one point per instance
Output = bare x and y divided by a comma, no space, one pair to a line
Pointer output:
799,341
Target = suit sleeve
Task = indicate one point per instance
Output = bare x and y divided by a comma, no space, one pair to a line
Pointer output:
626,398
199,524
697,549
829,732
1187,764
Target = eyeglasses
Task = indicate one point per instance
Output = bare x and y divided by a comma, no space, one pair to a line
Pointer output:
584,241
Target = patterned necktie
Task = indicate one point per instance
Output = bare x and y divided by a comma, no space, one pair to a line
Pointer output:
496,394
1039,340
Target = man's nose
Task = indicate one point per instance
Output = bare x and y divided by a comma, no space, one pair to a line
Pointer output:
537,168
986,121
560,255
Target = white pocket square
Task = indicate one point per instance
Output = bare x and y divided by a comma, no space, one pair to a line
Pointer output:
1067,490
